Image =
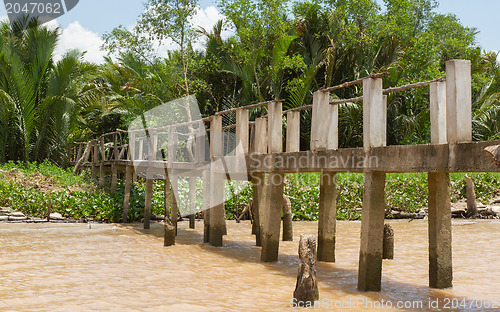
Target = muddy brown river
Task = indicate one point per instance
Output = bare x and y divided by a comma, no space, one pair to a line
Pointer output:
69,267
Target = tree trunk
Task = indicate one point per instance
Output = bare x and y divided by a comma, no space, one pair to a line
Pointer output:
306,289
388,244
471,198
287,220
494,153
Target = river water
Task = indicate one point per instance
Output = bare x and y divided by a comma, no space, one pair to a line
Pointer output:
69,267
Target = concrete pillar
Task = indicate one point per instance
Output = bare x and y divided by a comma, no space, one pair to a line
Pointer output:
129,171
192,202
373,213
438,112
261,141
372,232
206,206
458,101
217,184
258,185
270,212
271,217
275,127
327,218
217,214
169,228
148,198
450,123
440,252
174,184
374,114
242,131
292,132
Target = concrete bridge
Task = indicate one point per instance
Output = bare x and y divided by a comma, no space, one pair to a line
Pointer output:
258,156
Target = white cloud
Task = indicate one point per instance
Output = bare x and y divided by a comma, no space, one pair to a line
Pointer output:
75,36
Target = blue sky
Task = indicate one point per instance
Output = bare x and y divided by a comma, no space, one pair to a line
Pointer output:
85,24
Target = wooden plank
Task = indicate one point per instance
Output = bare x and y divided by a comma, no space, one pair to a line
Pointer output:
260,142
275,127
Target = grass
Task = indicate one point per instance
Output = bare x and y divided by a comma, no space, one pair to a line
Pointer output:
26,187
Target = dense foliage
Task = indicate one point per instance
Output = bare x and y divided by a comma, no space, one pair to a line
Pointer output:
26,187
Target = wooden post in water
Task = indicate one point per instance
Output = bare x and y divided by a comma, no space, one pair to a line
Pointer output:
271,210
373,213
217,184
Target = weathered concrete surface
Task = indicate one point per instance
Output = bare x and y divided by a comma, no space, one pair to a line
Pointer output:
440,253
293,131
259,195
306,289
271,217
438,112
169,227
327,217
461,157
458,101
372,232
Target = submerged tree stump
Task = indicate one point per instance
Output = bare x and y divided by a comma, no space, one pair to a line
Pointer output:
388,245
287,220
306,289
494,152
472,211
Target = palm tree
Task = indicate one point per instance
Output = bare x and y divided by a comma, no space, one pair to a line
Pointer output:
37,94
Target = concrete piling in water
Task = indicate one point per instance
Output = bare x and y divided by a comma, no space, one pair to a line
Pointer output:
217,184
327,218
270,211
169,228
373,213
129,171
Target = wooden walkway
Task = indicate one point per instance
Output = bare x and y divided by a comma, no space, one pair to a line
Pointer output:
257,155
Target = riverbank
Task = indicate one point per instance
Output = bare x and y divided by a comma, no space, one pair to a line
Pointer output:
27,190
61,267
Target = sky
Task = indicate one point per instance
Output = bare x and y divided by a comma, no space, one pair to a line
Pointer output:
83,27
